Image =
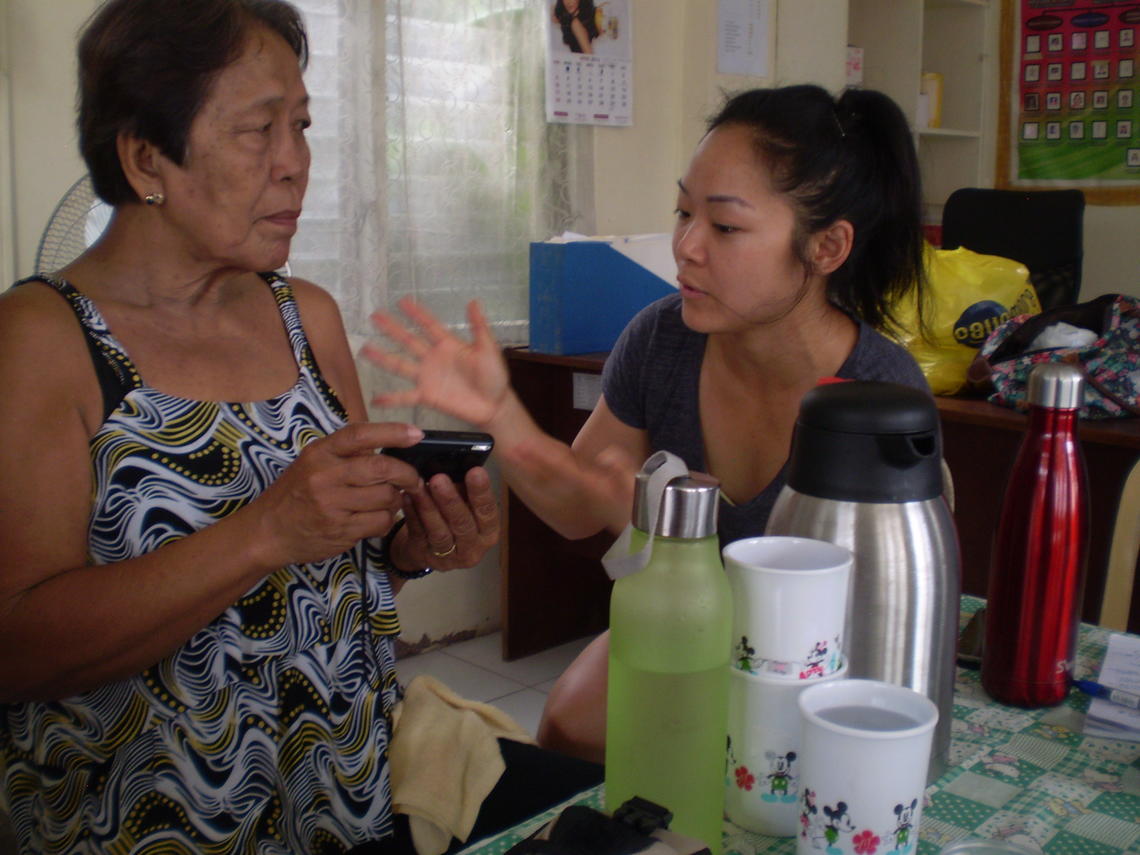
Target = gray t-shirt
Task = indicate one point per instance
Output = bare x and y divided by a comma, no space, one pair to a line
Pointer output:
651,380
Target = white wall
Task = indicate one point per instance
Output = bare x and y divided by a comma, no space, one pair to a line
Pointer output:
1112,251
7,250
634,172
45,157
677,87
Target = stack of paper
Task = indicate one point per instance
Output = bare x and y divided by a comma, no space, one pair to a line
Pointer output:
1121,670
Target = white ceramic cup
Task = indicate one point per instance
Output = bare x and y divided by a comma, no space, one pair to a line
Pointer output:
789,599
763,770
865,748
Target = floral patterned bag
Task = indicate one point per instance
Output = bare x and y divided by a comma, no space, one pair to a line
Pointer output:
1110,362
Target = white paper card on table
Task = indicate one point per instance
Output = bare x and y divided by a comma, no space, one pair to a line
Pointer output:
1120,670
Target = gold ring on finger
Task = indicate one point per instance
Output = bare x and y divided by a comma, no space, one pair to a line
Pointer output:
445,553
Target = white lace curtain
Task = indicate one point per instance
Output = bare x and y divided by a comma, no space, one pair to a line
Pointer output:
433,166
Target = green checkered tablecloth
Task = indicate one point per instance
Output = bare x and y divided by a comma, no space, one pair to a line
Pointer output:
1027,776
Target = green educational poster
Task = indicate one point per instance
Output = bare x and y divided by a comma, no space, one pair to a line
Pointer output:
1074,116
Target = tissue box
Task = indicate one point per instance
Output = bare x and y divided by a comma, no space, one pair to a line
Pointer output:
583,293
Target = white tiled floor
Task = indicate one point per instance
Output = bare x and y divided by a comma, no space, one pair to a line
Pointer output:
475,669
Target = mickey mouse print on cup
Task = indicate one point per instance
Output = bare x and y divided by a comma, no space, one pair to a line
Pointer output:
763,773
864,754
789,605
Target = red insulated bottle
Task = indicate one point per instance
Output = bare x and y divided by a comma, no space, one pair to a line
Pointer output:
1037,568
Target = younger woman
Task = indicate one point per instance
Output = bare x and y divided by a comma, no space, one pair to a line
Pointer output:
797,228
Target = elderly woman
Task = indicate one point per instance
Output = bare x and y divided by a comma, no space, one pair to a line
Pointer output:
200,543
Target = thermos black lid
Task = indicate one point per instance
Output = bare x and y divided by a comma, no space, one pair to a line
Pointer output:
867,441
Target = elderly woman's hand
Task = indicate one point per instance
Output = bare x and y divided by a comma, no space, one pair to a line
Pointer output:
444,531
337,492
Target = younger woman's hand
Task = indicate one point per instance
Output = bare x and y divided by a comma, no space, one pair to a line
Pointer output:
465,379
443,530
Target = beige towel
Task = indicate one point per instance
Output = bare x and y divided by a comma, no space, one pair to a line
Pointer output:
444,759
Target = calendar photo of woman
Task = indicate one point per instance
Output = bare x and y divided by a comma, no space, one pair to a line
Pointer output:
588,27
577,21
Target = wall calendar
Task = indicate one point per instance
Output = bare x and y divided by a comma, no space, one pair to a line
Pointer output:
589,67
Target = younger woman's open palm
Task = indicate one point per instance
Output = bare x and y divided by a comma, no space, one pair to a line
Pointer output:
465,379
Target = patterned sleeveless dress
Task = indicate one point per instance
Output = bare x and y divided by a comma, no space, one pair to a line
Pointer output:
267,732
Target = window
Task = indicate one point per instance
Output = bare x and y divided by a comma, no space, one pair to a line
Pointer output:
433,167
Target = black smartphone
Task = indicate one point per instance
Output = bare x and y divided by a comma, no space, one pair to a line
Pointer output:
451,452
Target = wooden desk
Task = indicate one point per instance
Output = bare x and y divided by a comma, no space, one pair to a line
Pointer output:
554,590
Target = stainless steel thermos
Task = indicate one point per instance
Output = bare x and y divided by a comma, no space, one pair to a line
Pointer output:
866,472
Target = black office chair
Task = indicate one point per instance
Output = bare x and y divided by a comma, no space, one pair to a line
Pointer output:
1043,229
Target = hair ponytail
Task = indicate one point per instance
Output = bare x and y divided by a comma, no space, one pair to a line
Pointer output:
884,202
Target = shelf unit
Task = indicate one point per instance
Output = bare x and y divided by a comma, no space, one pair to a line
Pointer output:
902,39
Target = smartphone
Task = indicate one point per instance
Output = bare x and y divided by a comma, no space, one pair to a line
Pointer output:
451,452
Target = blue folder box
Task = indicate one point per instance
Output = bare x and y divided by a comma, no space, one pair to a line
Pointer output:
583,293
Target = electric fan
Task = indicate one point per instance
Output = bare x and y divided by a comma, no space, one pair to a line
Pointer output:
76,223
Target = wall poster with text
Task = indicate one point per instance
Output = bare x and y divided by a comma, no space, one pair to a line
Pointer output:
1070,97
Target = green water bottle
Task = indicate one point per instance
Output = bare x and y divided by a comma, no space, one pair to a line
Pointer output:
670,642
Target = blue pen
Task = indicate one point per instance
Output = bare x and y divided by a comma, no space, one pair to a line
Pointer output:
1113,696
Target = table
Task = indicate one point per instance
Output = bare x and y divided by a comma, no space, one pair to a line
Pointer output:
539,568
1028,776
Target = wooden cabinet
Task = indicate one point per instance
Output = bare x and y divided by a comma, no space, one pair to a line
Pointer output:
553,589
958,39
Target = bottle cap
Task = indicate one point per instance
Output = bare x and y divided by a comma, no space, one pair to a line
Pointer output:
688,507
1057,385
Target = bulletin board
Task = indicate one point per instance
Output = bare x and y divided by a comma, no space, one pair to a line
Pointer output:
1070,97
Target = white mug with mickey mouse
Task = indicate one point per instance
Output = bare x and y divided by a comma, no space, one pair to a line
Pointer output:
763,769
865,748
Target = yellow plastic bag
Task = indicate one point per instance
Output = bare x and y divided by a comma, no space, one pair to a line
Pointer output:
968,296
